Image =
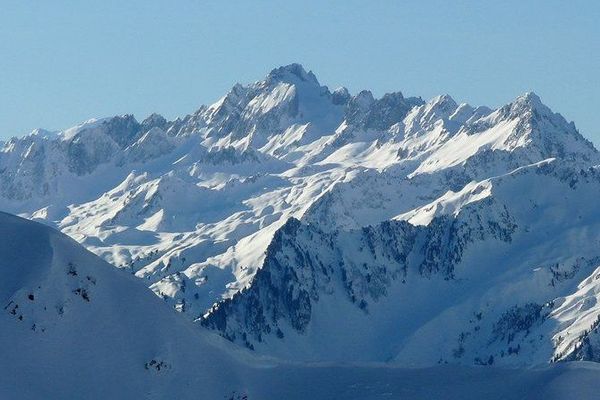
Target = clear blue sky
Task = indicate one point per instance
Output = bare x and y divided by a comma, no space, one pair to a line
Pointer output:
62,62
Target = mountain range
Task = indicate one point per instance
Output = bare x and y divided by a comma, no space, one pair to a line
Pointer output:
311,225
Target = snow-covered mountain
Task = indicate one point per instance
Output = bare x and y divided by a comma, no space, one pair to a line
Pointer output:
74,327
312,224
501,272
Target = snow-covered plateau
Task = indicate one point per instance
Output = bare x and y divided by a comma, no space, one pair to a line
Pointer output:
299,241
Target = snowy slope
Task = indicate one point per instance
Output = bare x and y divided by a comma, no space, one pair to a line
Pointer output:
81,329
73,325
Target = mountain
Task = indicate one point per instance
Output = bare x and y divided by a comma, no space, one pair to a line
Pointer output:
313,224
74,327
492,274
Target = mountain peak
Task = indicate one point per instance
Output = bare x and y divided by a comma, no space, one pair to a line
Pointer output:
292,73
528,103
340,95
542,128
154,120
530,97
364,99
443,101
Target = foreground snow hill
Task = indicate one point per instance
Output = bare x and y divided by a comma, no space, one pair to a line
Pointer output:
74,327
